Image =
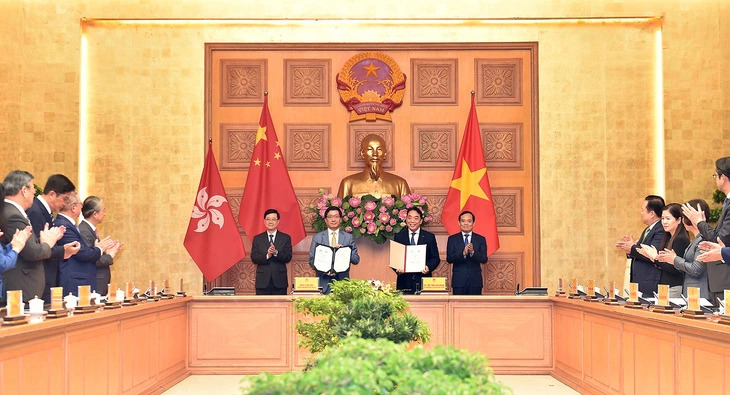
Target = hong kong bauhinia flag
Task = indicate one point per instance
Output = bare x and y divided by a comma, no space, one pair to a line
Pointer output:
268,185
469,190
212,239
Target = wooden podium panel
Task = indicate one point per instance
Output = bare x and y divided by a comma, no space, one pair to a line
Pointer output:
626,351
513,332
132,350
241,334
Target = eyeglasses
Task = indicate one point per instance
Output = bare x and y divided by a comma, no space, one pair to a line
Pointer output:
333,216
715,176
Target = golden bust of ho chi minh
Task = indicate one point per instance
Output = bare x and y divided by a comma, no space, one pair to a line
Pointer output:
373,179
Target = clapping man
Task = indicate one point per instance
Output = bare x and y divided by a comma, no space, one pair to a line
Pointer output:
718,273
94,212
29,274
271,251
467,252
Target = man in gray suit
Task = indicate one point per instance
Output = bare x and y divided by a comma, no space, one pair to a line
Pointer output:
718,273
29,274
333,237
94,211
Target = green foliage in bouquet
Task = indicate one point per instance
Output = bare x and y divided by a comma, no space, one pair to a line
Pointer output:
367,366
358,308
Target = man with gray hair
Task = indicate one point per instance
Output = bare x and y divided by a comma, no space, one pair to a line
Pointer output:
94,212
80,269
29,273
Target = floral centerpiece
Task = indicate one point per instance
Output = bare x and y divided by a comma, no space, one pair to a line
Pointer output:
377,219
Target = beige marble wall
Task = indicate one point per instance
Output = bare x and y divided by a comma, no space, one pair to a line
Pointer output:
145,114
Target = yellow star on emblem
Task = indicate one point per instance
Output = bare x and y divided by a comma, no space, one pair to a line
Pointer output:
277,143
257,162
268,164
260,134
277,155
372,69
468,184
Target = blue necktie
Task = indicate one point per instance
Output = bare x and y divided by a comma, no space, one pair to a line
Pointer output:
271,239
466,239
725,202
413,241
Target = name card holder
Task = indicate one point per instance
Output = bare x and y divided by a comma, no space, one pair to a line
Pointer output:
153,296
111,299
434,286
85,305
633,301
591,292
662,301
129,299
725,318
181,292
14,310
57,310
560,292
693,310
306,286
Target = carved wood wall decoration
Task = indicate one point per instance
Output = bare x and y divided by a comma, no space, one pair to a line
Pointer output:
234,200
436,200
433,146
498,81
307,82
509,206
243,82
242,276
236,145
503,145
502,273
443,269
355,134
307,197
435,82
308,146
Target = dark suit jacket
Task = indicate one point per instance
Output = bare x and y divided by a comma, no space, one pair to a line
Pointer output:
80,269
467,271
718,273
29,274
344,239
273,268
670,274
643,271
726,255
39,217
103,273
410,282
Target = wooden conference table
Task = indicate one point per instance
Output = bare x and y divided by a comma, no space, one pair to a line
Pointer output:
149,347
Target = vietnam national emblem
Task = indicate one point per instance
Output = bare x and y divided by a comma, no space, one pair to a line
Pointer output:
371,86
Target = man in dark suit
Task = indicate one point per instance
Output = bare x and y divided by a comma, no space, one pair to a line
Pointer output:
55,195
413,234
80,269
28,274
94,212
718,273
643,271
333,236
271,251
466,251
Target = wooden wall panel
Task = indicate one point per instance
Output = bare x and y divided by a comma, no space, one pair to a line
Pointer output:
436,314
568,342
173,341
36,366
247,337
140,353
94,356
601,353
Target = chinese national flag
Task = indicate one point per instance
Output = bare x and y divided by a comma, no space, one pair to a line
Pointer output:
212,239
470,189
268,185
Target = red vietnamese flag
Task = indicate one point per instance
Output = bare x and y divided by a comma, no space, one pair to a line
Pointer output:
212,239
470,189
268,185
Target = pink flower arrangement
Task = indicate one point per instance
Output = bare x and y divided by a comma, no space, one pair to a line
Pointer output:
377,219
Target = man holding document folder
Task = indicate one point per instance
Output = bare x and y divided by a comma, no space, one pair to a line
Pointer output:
332,251
411,273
